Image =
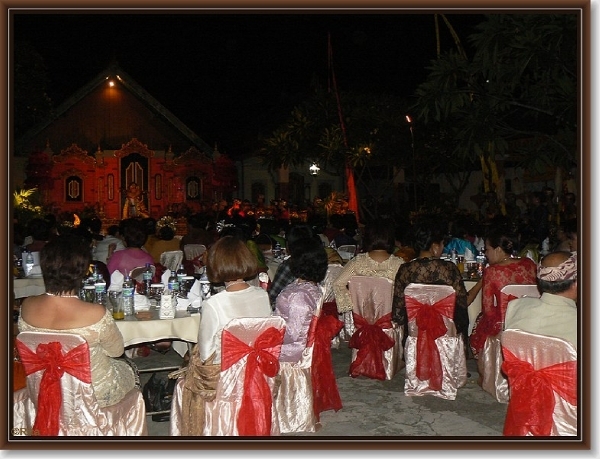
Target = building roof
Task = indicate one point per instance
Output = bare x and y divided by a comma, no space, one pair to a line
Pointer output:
167,127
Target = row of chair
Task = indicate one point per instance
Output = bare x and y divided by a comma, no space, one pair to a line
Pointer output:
435,355
293,395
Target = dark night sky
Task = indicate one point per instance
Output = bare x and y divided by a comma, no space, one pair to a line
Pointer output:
229,76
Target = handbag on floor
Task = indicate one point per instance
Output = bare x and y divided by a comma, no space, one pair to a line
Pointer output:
158,394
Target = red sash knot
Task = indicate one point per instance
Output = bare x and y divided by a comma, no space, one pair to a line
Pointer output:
50,359
371,342
254,417
431,326
531,403
324,386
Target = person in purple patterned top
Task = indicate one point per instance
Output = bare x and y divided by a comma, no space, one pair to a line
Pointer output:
298,302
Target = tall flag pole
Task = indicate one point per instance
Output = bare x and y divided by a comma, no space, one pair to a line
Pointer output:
350,184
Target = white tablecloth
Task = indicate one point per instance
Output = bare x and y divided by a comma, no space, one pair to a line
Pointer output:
183,329
475,306
28,286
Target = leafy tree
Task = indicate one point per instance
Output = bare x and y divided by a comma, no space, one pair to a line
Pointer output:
517,95
378,140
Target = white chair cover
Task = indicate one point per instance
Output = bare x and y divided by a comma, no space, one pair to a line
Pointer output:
347,252
294,395
171,259
494,381
372,300
221,414
543,353
80,414
450,346
192,251
517,291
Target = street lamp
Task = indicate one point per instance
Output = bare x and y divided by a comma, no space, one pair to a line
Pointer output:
412,146
314,169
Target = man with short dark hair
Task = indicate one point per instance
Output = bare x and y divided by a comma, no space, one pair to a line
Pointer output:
555,312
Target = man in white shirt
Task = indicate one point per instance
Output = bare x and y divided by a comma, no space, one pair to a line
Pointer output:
555,312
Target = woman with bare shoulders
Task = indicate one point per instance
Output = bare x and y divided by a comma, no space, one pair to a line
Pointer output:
65,261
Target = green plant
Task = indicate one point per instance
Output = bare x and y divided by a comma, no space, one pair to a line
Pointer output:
23,208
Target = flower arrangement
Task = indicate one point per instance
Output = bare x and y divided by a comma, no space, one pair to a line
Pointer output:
166,221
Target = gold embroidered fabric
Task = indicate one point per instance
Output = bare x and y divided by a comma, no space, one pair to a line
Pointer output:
197,386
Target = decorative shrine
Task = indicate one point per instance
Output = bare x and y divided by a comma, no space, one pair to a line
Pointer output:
114,148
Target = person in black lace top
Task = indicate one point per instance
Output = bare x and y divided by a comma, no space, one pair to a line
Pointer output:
428,268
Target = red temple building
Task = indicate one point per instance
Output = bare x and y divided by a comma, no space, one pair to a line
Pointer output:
111,134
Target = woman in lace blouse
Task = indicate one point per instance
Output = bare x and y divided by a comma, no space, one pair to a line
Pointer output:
64,262
376,260
428,268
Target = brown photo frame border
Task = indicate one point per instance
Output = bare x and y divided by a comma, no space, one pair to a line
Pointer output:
344,443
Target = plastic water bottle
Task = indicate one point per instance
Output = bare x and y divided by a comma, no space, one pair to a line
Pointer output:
28,263
453,256
181,273
205,287
99,289
480,262
277,251
127,296
147,278
173,284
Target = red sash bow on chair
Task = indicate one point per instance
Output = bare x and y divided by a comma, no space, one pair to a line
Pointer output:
50,359
254,417
371,342
330,309
431,326
324,386
531,403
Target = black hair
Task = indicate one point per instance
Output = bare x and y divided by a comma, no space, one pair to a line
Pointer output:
380,235
427,234
309,261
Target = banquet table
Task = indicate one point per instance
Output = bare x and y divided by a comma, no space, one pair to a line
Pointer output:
475,307
183,329
28,286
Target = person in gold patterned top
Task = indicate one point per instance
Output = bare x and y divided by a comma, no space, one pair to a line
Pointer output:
134,205
64,262
377,260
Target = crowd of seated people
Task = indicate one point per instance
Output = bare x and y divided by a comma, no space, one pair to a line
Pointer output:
398,251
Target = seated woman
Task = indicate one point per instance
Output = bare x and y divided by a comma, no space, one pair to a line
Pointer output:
243,228
165,240
428,268
133,256
298,301
503,269
377,260
64,262
229,261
